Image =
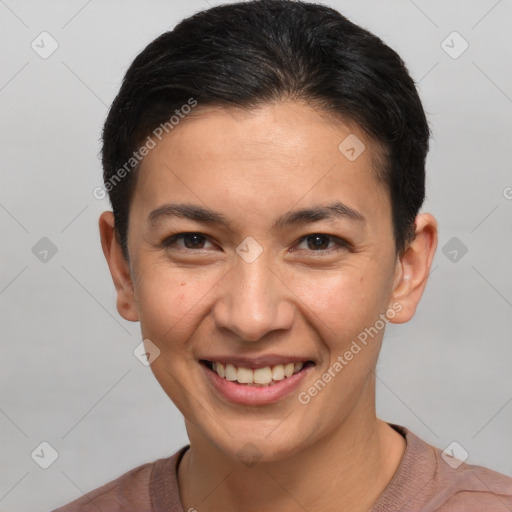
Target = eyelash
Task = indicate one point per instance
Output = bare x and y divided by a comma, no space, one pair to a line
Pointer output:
169,242
341,244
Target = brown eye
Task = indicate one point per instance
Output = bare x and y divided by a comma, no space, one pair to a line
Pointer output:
193,241
189,241
315,242
319,242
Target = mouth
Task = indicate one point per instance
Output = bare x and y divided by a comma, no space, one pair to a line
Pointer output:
256,377
256,383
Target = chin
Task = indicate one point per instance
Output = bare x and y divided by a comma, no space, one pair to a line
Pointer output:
253,448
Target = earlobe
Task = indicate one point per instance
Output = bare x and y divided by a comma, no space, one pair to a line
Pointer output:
119,268
413,268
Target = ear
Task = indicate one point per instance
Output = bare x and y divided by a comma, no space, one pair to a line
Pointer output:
413,268
119,268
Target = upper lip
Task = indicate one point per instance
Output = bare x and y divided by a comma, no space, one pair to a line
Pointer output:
255,362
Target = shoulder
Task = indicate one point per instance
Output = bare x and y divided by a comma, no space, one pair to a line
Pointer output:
446,484
470,487
130,491
145,488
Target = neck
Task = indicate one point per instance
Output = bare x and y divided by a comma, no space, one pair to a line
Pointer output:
346,470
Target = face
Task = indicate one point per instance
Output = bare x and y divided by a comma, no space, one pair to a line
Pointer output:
257,243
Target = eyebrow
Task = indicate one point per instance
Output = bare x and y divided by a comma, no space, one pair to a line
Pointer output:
196,213
316,213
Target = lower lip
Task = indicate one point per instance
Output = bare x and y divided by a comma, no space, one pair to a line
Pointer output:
244,394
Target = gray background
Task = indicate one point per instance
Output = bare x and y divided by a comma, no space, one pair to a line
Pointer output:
67,372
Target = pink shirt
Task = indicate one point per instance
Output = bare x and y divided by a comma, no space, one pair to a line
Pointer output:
423,482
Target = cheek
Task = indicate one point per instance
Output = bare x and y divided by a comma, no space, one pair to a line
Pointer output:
169,303
342,303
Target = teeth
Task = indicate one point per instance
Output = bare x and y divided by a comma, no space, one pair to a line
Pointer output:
262,376
288,369
220,369
245,376
278,372
230,372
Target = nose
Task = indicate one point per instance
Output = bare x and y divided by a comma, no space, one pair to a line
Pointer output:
254,301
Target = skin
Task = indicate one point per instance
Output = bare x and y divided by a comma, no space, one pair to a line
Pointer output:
332,453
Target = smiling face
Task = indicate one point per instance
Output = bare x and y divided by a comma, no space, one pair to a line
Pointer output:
255,242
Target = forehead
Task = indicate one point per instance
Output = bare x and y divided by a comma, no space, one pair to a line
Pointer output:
263,159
